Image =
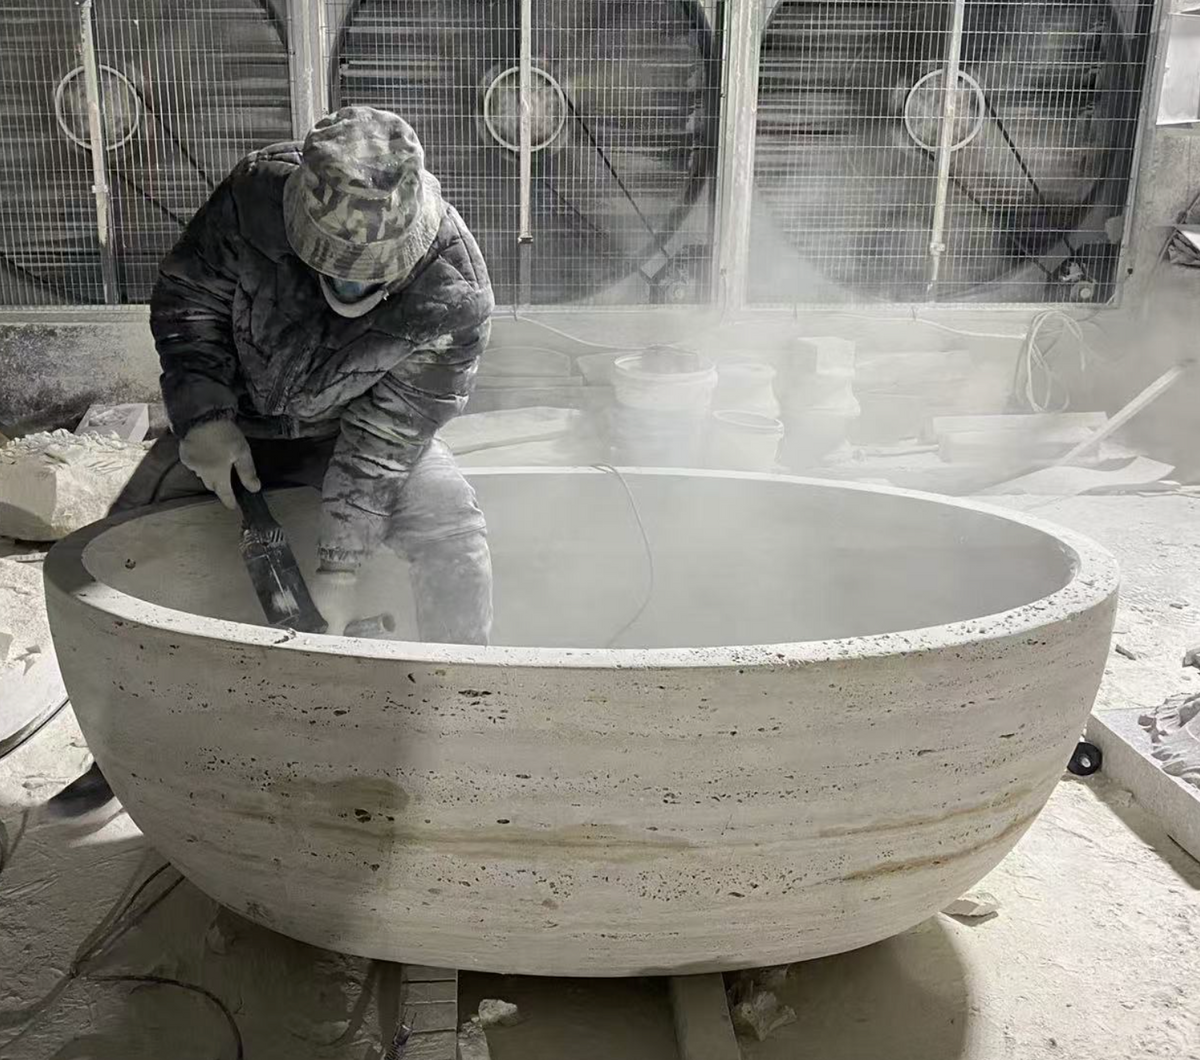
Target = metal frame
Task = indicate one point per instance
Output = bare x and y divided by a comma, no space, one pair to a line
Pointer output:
742,73
309,64
105,230
741,33
1156,56
937,245
744,24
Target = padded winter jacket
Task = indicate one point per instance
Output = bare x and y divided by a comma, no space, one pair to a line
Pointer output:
244,332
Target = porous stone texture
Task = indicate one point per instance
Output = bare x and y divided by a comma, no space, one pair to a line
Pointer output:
680,805
53,483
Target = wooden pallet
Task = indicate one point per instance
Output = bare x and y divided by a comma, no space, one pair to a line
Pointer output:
429,1005
703,1029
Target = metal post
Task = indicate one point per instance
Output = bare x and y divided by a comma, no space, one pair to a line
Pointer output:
307,62
95,106
525,233
945,149
744,21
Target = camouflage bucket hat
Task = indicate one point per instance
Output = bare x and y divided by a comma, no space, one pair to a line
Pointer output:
361,205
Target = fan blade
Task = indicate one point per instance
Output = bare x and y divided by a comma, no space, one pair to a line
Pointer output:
846,147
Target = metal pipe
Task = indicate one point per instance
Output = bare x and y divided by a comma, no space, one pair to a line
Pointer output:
741,36
307,64
95,108
945,150
525,229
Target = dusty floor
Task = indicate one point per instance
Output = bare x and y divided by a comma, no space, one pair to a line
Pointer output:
1095,951
1156,540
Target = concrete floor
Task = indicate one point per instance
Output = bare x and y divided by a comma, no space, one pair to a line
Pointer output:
1095,951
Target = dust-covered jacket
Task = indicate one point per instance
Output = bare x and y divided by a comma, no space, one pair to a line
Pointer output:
244,332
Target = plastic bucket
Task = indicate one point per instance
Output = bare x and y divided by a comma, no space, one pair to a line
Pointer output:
664,381
743,441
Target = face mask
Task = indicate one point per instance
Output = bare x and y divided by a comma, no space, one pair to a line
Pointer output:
351,290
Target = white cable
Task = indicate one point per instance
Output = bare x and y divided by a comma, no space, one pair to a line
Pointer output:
614,348
913,318
1042,383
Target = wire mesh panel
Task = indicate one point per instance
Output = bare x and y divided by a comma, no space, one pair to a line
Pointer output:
1038,133
49,249
623,108
185,89
190,89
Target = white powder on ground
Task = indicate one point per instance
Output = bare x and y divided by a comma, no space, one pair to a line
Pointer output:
53,483
22,616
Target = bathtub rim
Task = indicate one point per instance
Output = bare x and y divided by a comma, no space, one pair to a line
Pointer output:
1094,580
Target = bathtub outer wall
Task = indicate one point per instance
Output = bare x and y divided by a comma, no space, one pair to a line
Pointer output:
584,818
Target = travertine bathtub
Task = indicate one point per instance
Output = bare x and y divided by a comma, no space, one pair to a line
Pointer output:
827,710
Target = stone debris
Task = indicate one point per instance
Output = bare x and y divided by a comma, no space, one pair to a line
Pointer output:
760,1015
472,1042
1120,649
53,483
974,905
772,978
130,423
496,1013
1174,730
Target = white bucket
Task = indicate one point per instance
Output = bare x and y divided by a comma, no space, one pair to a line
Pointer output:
748,386
743,441
664,381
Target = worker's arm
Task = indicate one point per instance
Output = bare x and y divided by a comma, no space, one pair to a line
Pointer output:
384,432
191,316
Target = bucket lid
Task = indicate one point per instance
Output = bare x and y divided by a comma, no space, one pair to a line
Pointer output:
665,367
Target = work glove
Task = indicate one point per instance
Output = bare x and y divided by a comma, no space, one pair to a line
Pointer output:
210,450
335,592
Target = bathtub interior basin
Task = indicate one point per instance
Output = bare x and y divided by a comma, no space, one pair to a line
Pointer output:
694,560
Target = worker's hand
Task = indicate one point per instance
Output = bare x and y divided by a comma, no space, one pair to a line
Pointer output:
211,450
335,593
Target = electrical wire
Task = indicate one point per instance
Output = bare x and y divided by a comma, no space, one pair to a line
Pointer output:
648,594
162,980
614,347
914,318
615,175
115,924
1043,389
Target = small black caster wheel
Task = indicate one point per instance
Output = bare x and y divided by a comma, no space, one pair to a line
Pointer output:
1086,760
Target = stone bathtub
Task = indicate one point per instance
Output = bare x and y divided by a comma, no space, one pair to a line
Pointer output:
733,720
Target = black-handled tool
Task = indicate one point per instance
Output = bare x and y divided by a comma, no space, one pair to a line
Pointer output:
272,566
276,576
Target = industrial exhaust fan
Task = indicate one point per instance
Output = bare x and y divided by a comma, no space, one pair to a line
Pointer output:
623,107
850,135
185,91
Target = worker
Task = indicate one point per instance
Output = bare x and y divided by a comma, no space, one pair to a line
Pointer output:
320,319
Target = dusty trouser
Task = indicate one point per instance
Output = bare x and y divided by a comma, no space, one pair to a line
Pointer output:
437,526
